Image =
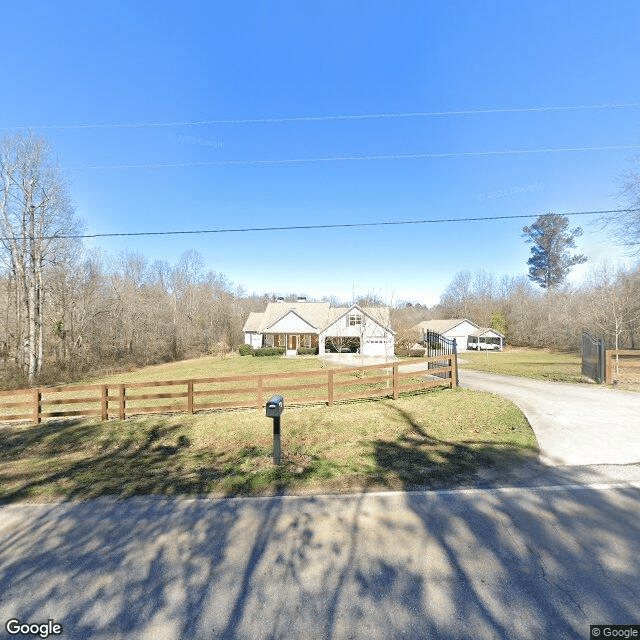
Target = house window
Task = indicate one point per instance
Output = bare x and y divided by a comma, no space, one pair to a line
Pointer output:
355,319
307,340
281,340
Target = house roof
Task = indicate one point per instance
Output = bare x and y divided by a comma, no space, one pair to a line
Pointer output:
291,312
483,331
378,314
440,326
253,321
317,314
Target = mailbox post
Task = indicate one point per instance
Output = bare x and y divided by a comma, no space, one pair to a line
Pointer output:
274,409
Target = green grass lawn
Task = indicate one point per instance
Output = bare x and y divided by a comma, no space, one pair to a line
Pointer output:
541,364
434,438
441,437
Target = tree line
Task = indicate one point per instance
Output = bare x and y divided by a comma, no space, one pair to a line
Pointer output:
606,303
103,313
67,312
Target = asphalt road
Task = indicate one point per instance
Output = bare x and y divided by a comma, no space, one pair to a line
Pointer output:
575,424
484,564
544,560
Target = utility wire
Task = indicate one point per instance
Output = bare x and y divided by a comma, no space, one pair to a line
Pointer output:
409,156
374,116
323,226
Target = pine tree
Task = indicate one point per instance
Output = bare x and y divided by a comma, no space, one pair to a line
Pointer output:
551,262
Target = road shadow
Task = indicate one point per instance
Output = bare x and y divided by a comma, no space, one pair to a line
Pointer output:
509,563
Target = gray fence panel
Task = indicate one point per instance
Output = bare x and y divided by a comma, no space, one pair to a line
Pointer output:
436,345
592,357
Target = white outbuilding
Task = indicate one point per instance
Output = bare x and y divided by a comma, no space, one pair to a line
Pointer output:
458,328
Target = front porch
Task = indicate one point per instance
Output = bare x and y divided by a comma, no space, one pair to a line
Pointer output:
291,341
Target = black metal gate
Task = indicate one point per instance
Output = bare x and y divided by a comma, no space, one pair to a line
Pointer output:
437,345
592,357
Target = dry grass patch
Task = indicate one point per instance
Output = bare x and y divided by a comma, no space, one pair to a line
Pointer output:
210,367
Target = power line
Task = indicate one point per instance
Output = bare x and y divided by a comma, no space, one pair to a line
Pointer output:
373,116
324,226
409,156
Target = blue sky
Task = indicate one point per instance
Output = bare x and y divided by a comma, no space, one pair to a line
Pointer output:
70,64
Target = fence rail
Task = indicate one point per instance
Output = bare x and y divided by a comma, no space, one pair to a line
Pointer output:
625,367
223,392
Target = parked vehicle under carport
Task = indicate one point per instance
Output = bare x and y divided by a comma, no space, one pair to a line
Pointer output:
483,346
342,344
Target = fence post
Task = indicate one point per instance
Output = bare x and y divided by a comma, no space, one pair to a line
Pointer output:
330,387
608,372
104,403
395,381
453,361
454,364
260,398
190,396
37,397
121,396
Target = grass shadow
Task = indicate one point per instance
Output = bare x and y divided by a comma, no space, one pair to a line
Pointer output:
419,460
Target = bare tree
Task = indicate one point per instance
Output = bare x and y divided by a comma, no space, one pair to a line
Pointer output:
614,299
36,218
456,300
626,223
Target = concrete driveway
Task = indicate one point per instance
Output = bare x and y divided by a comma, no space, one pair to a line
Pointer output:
575,424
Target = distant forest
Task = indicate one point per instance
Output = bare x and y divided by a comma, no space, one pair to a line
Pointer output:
105,313
68,313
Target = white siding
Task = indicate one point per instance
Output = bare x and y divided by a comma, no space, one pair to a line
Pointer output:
253,338
461,339
375,340
461,334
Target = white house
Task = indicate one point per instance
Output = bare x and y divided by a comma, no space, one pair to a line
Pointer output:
458,328
467,334
292,325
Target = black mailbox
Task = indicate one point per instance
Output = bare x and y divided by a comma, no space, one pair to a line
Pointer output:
275,407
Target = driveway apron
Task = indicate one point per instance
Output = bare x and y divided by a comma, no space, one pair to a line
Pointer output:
575,424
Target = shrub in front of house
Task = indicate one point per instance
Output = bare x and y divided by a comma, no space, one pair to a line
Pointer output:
245,350
308,351
269,351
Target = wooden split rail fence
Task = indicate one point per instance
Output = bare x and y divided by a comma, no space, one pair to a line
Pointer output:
622,365
225,392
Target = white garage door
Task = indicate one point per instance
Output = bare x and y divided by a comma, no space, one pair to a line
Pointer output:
461,341
374,347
